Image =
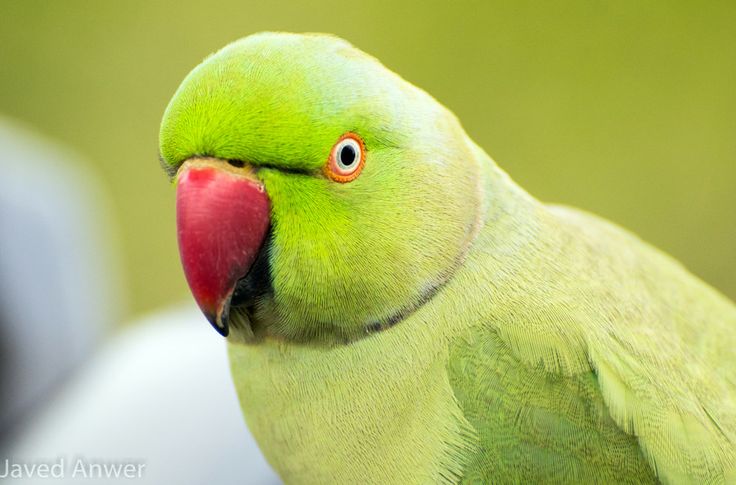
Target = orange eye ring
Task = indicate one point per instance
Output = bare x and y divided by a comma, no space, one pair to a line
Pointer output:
347,159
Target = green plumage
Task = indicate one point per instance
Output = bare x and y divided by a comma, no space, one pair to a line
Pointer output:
431,322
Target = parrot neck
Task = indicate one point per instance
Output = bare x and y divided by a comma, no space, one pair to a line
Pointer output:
534,259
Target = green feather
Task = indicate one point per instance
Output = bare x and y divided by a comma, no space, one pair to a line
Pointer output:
431,322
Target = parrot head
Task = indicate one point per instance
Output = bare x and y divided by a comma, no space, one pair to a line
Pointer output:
319,196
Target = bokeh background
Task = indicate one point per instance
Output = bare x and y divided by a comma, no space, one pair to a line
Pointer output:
626,109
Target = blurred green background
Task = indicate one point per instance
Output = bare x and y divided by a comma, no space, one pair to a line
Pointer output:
627,109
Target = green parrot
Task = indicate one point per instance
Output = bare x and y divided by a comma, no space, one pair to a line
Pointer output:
398,310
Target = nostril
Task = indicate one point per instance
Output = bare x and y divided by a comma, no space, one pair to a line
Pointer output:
236,163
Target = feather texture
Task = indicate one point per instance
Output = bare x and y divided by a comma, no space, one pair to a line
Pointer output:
430,321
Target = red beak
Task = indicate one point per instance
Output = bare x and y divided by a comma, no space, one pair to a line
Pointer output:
222,216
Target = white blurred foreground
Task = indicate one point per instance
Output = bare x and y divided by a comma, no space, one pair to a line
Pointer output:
159,395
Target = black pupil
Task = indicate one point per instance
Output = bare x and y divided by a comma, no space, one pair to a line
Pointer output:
347,155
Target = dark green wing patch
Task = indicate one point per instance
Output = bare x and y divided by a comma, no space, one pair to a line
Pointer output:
538,427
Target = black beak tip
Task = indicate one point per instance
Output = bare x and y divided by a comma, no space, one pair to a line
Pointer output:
220,325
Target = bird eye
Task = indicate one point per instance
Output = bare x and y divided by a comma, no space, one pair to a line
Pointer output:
346,158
